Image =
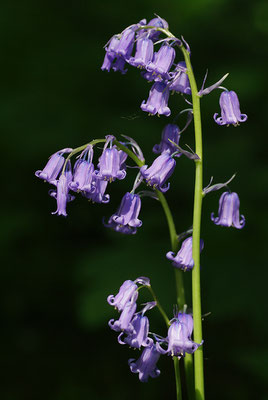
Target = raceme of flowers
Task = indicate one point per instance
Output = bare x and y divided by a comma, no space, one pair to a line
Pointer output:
133,328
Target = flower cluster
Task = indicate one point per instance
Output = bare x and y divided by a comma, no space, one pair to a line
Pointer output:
134,330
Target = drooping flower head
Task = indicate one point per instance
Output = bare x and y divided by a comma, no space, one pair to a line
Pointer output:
124,321
230,110
162,61
172,132
124,295
83,172
110,163
144,53
125,220
126,43
179,339
157,102
184,258
179,79
145,366
62,194
229,211
53,167
158,173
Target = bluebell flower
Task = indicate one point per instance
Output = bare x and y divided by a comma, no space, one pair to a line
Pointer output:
126,43
145,366
110,54
126,291
53,167
172,132
159,172
162,61
229,211
62,194
125,220
83,172
139,336
178,340
97,192
144,53
124,321
179,79
184,258
230,110
157,102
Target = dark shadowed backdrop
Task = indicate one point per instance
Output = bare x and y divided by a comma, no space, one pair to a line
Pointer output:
57,272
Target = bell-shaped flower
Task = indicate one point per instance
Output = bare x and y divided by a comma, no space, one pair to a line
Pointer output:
97,193
172,132
125,220
179,79
110,165
144,53
139,336
124,295
160,170
62,194
229,211
126,43
187,320
178,340
157,102
230,110
162,61
110,54
53,167
83,172
184,258
124,321
145,366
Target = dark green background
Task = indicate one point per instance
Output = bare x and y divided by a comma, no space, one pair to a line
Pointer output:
55,342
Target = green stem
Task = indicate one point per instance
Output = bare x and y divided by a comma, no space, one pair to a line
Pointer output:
160,308
177,378
196,289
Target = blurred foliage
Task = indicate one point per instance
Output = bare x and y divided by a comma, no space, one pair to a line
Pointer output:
57,272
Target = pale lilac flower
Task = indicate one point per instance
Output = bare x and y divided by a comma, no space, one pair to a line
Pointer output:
83,172
97,192
172,132
157,102
187,320
119,65
62,194
110,163
125,220
53,167
230,110
144,53
178,340
159,172
110,55
179,79
158,23
184,258
145,366
126,43
124,295
229,211
139,336
124,321
162,61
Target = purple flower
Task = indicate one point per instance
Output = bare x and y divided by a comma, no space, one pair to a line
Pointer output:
229,211
158,23
184,258
126,219
110,55
83,172
124,295
187,320
172,132
126,43
157,102
180,81
53,167
145,366
97,192
139,336
124,321
178,340
62,195
158,173
144,53
162,61
111,163
230,110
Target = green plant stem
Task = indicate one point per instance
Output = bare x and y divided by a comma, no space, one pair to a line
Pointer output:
177,378
196,289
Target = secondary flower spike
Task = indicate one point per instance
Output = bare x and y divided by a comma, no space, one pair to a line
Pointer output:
229,211
145,366
159,172
125,220
157,102
184,258
230,110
